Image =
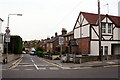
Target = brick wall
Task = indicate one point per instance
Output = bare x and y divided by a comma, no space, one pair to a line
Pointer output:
84,45
11,57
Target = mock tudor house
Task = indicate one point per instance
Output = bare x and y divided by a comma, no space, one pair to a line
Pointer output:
86,31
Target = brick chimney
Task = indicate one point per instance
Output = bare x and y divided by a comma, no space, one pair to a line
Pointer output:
56,34
64,31
48,38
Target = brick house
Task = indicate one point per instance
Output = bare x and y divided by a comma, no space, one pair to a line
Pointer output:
50,45
86,31
70,44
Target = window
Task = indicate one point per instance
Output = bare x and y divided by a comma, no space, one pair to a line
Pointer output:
109,28
103,28
47,44
69,37
106,50
65,38
51,45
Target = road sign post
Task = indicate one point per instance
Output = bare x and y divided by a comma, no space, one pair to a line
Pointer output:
7,40
61,42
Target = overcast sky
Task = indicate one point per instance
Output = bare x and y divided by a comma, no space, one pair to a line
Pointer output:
42,18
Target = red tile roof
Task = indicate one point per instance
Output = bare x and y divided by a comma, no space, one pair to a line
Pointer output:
93,18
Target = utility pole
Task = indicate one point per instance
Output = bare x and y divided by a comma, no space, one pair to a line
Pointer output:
99,24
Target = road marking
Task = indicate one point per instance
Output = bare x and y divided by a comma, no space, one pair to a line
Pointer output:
42,68
32,61
36,67
112,66
52,64
82,68
60,66
42,65
26,65
15,69
28,69
23,63
115,65
15,65
54,68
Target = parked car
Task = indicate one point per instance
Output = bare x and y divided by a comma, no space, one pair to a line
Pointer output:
23,52
32,53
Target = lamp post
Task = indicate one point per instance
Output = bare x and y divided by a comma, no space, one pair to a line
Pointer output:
8,35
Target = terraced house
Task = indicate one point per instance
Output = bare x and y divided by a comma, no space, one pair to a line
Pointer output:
86,31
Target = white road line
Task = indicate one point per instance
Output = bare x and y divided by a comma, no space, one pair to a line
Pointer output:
28,69
26,65
23,63
44,68
15,69
54,68
32,61
42,65
36,67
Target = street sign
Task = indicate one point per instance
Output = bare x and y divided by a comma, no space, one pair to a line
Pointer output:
7,38
7,30
61,40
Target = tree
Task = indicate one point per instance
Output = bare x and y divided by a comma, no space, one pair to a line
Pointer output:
15,45
39,48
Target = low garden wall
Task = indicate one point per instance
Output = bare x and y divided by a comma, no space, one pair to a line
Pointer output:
11,57
83,59
53,57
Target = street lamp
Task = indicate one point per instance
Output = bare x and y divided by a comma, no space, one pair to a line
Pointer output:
8,35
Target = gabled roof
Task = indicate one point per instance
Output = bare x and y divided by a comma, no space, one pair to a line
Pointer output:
52,40
93,18
115,19
70,33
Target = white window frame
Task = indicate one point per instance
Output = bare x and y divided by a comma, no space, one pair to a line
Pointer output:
109,28
103,28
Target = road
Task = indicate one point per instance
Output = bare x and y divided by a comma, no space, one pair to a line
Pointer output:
35,67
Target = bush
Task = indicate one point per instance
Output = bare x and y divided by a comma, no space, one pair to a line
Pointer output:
39,53
44,53
39,48
50,53
15,45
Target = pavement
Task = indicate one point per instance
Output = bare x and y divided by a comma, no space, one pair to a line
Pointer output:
86,64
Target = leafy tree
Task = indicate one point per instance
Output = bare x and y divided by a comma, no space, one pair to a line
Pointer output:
39,48
15,45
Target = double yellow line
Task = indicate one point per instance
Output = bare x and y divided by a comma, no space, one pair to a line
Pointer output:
64,67
15,64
